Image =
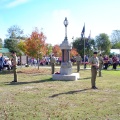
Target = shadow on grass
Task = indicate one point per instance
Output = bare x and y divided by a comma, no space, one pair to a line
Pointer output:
85,78
69,92
38,81
6,72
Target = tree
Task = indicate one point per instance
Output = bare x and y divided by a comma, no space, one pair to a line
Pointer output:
78,44
14,32
14,36
115,39
103,43
73,52
116,46
21,46
57,51
35,45
12,45
49,49
0,43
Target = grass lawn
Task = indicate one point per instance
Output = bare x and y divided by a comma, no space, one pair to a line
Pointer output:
37,97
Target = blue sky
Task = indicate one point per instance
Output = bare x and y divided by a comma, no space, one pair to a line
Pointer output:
99,16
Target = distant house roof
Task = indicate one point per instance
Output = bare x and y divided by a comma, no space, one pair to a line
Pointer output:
4,50
116,51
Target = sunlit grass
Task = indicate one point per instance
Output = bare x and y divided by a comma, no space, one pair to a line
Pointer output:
37,97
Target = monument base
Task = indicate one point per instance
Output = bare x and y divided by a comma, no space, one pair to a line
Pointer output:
73,76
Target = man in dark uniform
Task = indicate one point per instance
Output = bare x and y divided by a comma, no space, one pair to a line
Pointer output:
52,61
94,62
78,60
14,66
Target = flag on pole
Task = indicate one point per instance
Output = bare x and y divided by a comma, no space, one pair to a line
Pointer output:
87,41
83,31
89,37
73,38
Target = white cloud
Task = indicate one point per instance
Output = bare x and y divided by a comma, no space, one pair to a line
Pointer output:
16,3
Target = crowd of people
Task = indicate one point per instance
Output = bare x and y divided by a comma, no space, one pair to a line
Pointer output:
107,61
97,62
111,61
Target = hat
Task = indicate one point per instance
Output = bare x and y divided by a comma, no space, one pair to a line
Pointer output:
95,52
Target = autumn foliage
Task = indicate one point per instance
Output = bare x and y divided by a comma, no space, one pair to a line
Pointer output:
57,51
35,45
73,52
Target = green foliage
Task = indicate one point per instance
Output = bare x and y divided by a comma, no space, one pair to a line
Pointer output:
115,39
103,43
14,32
78,43
49,49
12,45
116,45
21,46
0,43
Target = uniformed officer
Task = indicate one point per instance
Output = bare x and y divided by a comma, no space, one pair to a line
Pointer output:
52,61
100,64
78,61
94,62
14,66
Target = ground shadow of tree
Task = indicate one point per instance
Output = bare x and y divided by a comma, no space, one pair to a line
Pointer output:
85,78
6,72
37,81
69,92
29,82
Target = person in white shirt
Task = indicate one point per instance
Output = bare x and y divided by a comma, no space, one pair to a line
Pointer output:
9,63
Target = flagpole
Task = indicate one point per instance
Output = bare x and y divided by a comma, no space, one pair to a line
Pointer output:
84,45
83,37
84,50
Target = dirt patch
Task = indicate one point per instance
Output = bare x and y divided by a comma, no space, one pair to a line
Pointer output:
35,71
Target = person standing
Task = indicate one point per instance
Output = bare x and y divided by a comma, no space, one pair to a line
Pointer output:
85,61
78,61
106,59
14,66
114,60
53,60
94,62
100,64
2,62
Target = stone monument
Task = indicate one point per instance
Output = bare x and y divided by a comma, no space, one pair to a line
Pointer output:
66,65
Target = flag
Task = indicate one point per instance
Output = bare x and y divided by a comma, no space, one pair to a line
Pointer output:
89,37
87,41
73,38
83,31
